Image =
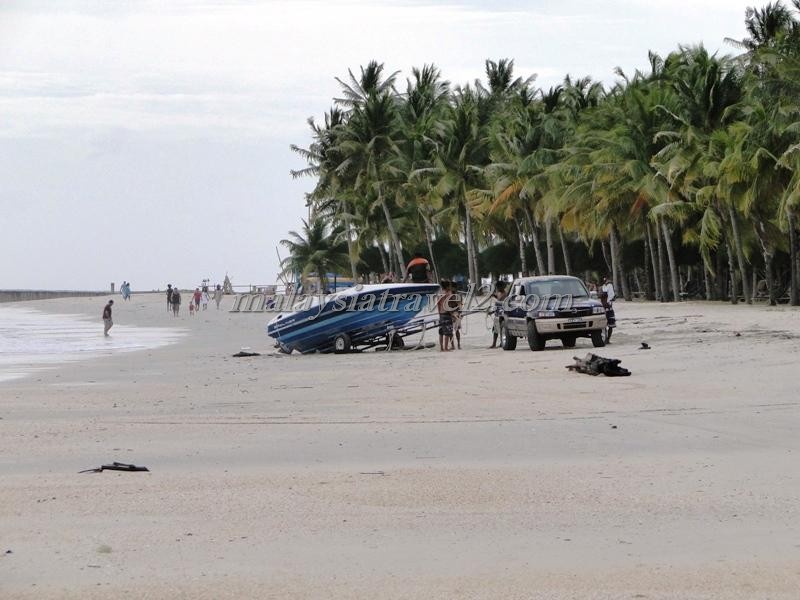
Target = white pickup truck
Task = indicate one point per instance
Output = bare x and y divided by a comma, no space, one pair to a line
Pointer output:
551,307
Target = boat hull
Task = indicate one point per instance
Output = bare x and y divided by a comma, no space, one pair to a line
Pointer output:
362,313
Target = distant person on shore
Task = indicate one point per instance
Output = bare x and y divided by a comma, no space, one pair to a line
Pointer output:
218,295
175,300
169,297
108,323
192,309
418,269
204,299
196,298
125,290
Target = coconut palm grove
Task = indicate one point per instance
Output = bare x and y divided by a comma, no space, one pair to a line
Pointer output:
682,180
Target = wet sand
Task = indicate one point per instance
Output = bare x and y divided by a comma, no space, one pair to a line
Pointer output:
472,474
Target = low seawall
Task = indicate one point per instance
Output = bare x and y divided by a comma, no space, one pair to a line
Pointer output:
23,295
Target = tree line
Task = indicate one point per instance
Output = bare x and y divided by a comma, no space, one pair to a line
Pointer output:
681,179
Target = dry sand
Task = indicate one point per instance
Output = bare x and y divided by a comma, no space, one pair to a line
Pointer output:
472,474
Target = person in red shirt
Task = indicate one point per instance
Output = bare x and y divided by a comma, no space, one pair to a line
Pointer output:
197,296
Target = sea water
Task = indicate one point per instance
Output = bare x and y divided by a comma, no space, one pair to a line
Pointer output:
31,340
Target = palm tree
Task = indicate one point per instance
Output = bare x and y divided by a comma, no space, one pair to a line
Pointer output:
330,195
319,249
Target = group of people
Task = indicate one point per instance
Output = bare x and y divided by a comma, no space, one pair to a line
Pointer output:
125,290
198,300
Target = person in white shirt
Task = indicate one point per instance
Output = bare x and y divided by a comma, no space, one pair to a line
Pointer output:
608,288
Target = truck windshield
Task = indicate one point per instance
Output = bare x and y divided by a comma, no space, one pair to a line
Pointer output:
557,287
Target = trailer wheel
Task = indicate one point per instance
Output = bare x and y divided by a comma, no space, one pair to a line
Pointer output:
341,343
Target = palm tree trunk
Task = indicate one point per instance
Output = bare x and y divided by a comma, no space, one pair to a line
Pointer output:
706,277
719,280
522,262
535,240
737,240
428,239
768,252
475,255
393,233
794,293
673,267
653,260
384,261
732,270
648,287
551,255
662,263
350,253
565,252
470,248
606,258
616,246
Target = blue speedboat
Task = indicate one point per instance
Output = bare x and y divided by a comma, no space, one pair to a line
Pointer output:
357,316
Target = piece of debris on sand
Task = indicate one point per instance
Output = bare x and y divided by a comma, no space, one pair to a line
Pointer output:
592,364
242,353
116,466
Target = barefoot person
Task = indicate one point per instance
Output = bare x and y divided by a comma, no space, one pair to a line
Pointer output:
445,318
175,299
497,311
108,323
218,295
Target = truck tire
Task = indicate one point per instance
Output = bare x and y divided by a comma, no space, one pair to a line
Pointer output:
535,341
569,341
509,341
597,339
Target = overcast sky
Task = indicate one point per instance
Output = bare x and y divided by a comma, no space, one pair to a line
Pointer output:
149,141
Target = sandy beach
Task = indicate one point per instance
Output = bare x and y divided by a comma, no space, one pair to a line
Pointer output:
471,474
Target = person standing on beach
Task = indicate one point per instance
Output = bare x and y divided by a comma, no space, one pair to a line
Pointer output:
204,298
169,297
175,300
107,322
497,311
608,288
218,295
445,319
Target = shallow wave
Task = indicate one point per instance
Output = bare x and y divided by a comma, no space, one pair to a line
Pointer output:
30,340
